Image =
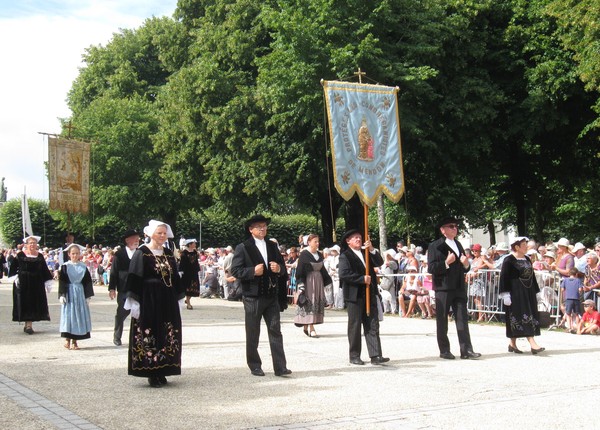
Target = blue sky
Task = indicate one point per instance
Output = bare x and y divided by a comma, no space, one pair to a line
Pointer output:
41,44
16,9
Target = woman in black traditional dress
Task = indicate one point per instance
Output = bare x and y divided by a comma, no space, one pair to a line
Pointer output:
154,294
519,290
312,277
32,279
189,265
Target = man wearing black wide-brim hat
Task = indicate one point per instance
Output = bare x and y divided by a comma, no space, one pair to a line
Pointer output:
448,264
118,279
354,280
259,266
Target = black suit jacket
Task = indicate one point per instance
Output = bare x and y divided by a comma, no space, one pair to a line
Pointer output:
246,257
446,279
119,270
351,271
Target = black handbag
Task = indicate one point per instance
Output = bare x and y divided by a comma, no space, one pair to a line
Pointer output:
301,301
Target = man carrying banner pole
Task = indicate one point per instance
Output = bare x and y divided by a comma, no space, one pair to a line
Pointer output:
360,291
367,160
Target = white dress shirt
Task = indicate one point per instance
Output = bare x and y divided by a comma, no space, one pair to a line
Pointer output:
262,248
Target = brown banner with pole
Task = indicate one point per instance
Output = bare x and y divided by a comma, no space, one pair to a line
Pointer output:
69,175
367,262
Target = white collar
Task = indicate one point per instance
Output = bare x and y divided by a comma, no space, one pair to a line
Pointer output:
360,255
452,244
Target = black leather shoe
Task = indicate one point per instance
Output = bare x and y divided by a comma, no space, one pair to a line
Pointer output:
117,341
537,351
514,349
357,361
162,380
447,355
257,372
470,354
154,382
379,359
283,372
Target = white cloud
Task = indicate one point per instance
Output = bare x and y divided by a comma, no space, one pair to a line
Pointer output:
41,52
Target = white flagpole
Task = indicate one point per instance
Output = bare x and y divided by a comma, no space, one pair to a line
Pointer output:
27,230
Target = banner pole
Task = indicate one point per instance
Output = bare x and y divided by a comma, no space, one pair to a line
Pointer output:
367,262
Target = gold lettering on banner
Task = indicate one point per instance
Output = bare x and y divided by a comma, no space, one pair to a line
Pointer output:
69,173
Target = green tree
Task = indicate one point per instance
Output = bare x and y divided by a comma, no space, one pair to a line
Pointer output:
542,122
222,108
581,35
42,223
211,130
113,104
436,52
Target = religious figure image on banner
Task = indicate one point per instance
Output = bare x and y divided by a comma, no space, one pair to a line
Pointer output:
364,128
69,171
365,142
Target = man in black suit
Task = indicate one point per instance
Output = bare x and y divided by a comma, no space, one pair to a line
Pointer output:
448,264
118,279
258,264
354,280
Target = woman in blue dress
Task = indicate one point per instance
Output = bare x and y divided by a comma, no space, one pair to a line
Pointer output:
75,288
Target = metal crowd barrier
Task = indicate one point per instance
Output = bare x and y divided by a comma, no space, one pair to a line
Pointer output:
483,290
93,269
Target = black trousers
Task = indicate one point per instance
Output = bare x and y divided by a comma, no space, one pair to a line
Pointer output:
256,309
120,316
443,301
357,317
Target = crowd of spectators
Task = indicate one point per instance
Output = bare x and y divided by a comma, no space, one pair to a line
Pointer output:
405,286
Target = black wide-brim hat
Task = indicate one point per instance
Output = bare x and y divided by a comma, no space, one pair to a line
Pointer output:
255,219
351,232
130,232
448,220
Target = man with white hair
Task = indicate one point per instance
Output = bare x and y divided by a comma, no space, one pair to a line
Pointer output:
579,254
118,279
591,280
331,264
231,283
387,284
501,253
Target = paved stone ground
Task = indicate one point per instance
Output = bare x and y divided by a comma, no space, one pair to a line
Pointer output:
45,386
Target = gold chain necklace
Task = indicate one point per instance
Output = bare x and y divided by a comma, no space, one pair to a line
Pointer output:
164,269
527,272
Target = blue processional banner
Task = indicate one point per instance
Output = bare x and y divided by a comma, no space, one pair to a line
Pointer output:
365,137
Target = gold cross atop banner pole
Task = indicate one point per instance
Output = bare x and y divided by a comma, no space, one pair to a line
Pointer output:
70,128
360,75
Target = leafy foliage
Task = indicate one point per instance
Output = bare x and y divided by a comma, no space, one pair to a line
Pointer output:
220,111
43,225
